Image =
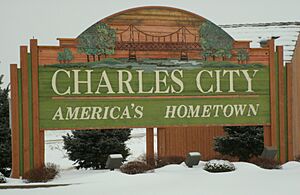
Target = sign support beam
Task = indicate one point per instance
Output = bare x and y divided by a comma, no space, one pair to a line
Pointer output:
38,160
15,141
150,146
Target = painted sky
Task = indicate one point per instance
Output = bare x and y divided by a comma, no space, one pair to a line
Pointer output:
47,20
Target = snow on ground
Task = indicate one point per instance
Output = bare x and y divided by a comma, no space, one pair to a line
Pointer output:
54,152
247,179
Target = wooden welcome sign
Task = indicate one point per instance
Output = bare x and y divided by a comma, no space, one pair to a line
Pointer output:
146,67
143,96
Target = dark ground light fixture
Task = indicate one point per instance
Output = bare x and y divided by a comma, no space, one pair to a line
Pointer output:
192,159
269,153
114,161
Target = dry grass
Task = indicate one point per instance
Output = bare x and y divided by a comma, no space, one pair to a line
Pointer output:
135,167
160,162
42,174
266,163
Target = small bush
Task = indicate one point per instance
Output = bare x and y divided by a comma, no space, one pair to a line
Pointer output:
135,167
266,163
217,166
160,162
2,178
42,174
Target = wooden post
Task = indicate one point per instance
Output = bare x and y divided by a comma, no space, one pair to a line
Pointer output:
267,135
272,92
35,101
25,107
150,146
289,110
282,113
15,141
161,142
42,147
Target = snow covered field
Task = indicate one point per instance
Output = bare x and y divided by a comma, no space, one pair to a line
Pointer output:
247,179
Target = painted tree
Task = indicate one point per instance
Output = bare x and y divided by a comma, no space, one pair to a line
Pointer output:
223,53
5,133
90,148
214,41
206,54
99,39
243,142
65,56
242,55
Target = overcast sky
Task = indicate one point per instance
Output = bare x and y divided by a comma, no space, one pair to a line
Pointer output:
20,20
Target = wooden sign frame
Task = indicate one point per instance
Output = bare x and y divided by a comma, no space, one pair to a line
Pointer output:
28,137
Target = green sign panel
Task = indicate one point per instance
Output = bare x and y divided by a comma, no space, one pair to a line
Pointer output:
136,95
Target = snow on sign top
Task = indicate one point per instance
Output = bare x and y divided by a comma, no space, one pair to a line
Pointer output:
288,33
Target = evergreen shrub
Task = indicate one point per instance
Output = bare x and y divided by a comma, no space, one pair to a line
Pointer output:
5,132
243,142
90,148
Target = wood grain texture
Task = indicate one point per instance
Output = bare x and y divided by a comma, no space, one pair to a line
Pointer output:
154,111
35,101
48,55
289,110
171,140
150,146
152,21
151,97
296,98
41,148
178,141
272,92
282,113
25,108
267,135
15,143
151,15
